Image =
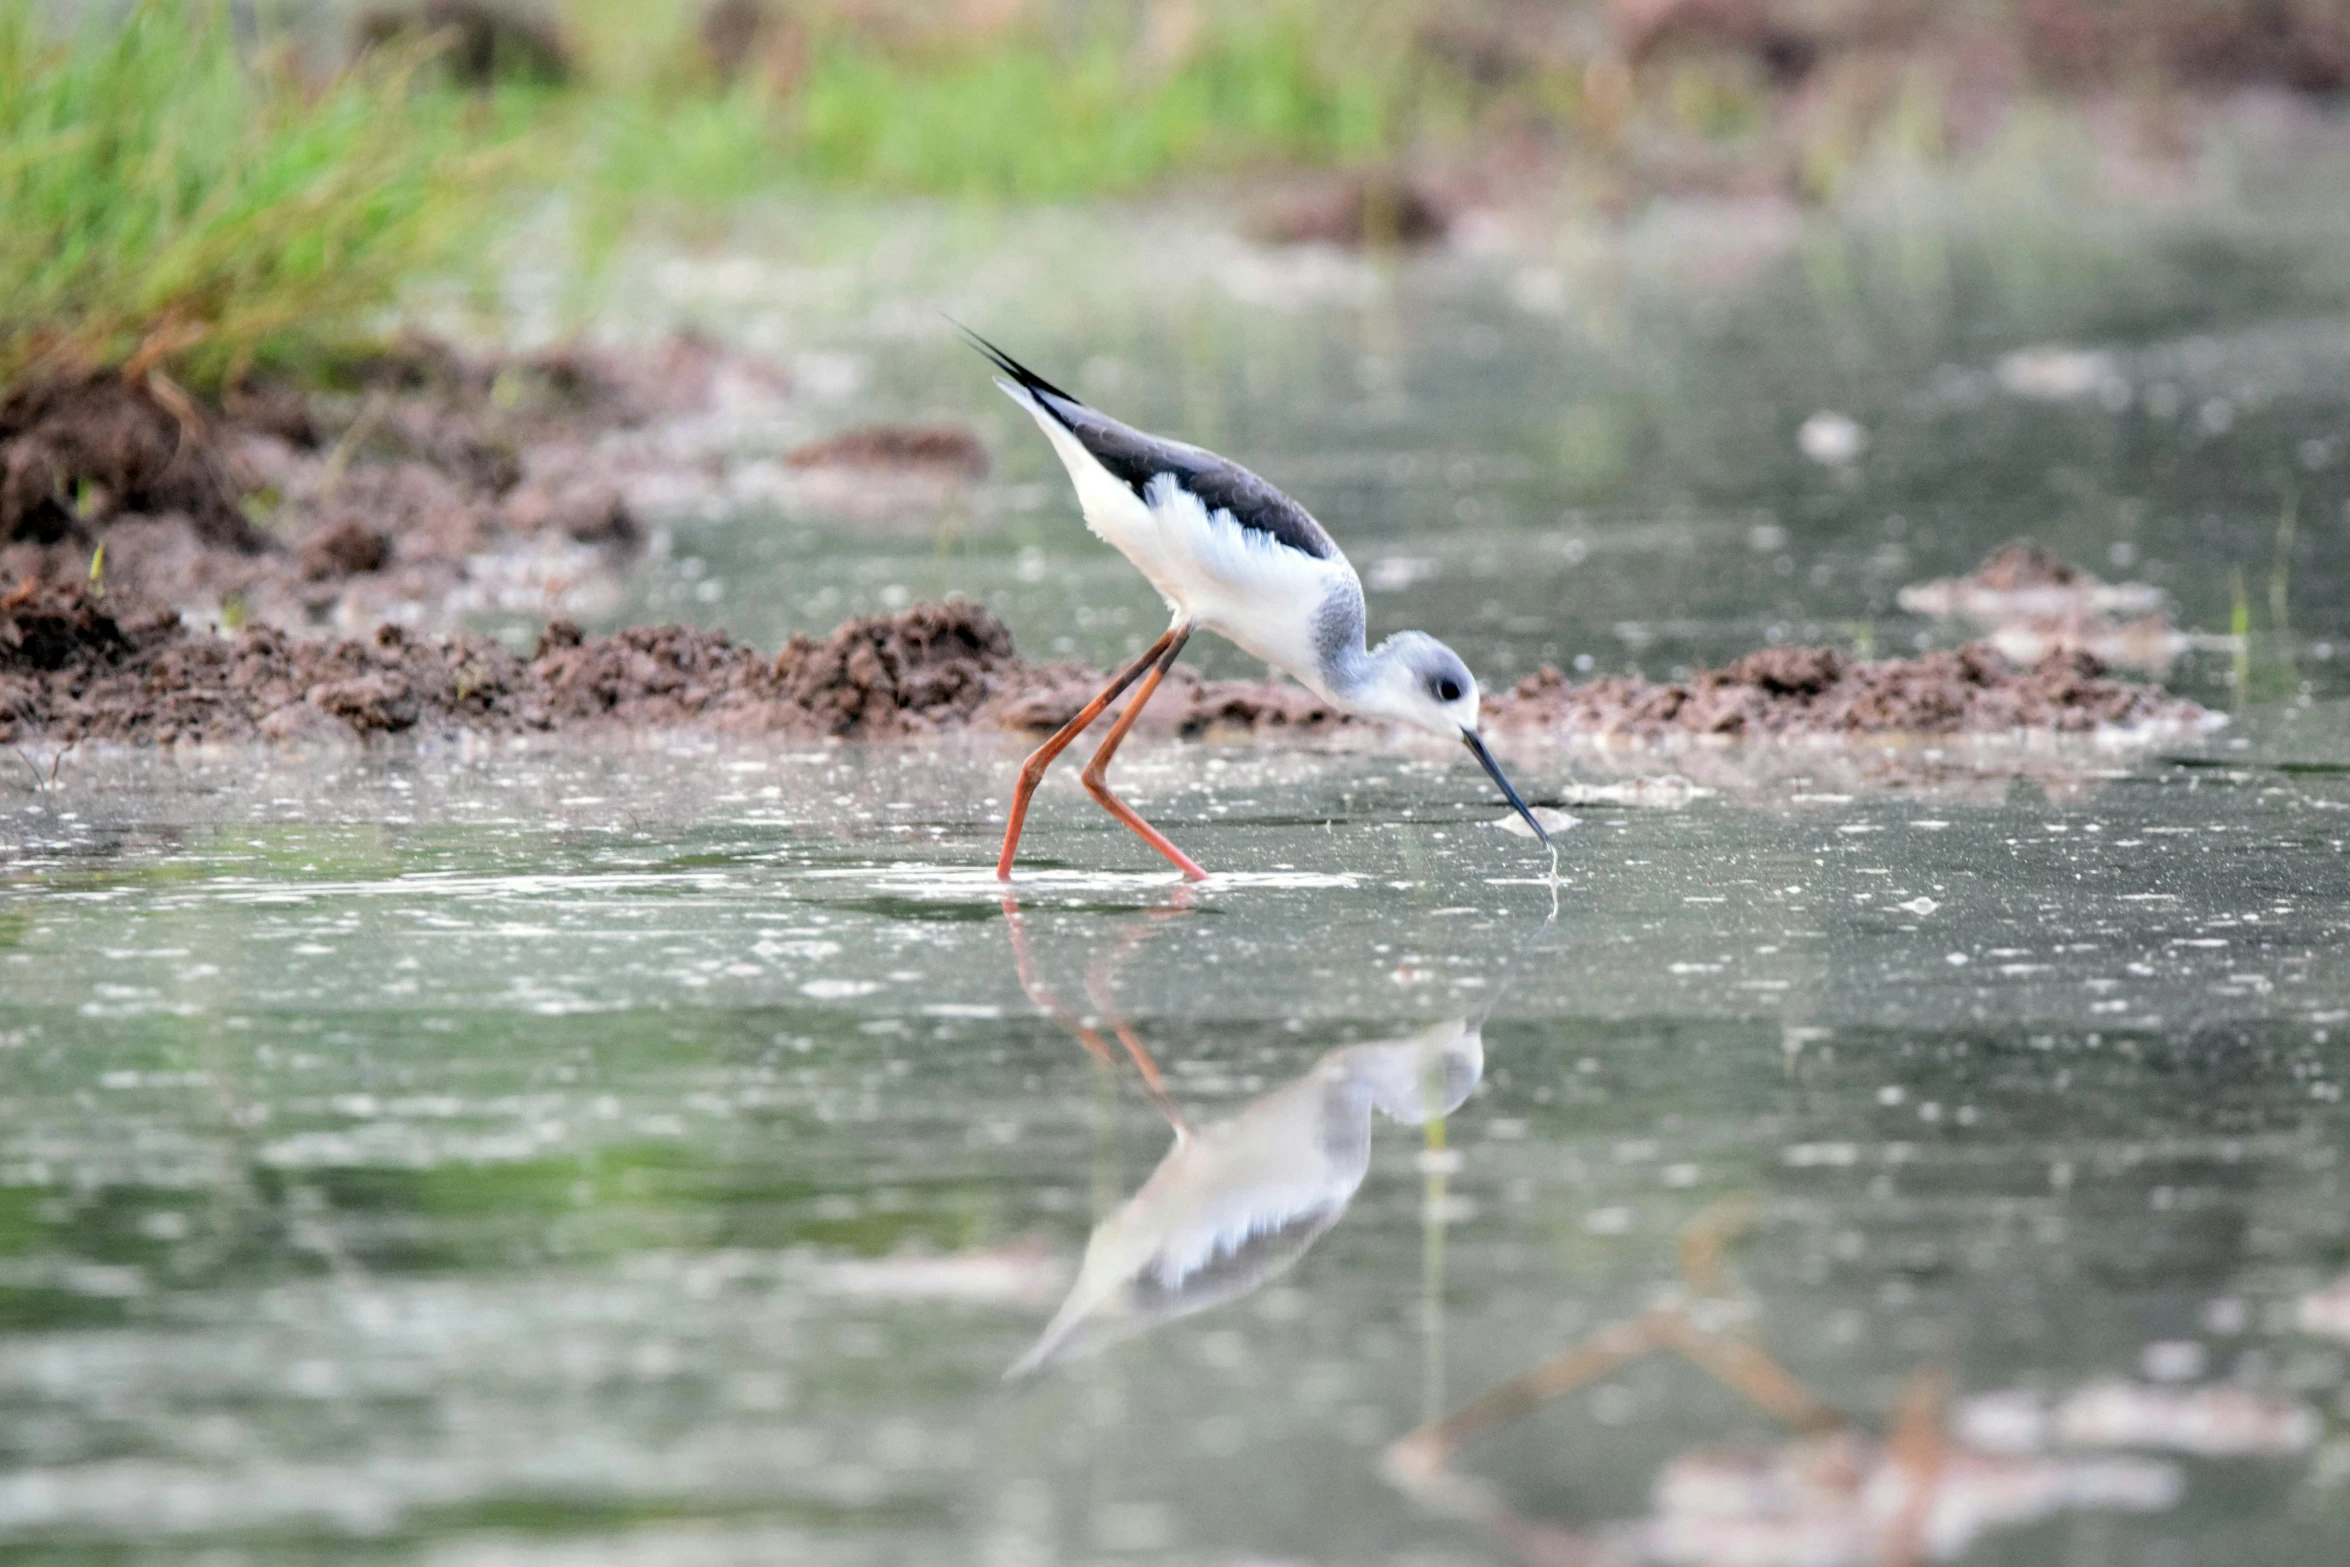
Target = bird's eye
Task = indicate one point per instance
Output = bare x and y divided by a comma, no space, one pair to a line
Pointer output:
1447,690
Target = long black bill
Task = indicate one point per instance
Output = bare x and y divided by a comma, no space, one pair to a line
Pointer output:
1476,744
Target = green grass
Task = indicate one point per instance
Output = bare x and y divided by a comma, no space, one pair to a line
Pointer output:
1024,122
170,198
1021,118
166,199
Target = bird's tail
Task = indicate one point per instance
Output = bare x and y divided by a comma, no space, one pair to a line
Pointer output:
1026,379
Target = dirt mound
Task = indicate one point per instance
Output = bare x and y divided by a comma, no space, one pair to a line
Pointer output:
46,629
924,668
1373,208
76,452
2020,564
1810,690
76,666
892,448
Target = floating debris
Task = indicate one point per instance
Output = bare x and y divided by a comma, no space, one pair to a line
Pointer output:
2326,1311
1841,1500
2215,1420
1831,439
2055,374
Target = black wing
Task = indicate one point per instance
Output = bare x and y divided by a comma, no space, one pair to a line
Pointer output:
1134,459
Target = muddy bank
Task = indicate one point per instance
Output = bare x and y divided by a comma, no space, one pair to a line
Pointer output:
76,664
417,484
1820,691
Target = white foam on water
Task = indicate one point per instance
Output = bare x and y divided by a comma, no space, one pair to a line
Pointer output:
979,881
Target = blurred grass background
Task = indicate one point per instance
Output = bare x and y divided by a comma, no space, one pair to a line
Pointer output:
212,186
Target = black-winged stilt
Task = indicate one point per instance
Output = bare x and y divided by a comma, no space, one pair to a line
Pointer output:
1232,554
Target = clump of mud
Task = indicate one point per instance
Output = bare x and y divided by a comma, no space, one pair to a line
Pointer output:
890,448
1820,691
78,451
1355,210
886,476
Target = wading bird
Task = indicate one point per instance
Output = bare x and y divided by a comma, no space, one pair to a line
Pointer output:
1232,554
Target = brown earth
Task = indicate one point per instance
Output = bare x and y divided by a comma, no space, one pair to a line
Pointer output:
897,448
1360,208
1813,690
420,485
78,451
77,665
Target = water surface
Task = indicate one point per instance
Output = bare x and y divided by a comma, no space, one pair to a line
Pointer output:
473,1153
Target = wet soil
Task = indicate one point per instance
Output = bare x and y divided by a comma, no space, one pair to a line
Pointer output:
1813,690
420,486
1360,209
950,449
76,665
78,451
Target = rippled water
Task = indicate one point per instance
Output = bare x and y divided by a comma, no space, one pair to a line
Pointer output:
478,1154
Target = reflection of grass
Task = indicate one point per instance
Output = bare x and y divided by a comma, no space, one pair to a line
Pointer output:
629,1195
162,197
2263,668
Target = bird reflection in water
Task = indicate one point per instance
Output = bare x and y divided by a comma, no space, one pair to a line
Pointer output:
1235,1202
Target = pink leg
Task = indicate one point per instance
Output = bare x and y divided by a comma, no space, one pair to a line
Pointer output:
1032,771
1097,770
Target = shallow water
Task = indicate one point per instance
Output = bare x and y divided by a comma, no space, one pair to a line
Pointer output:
528,1156
479,1154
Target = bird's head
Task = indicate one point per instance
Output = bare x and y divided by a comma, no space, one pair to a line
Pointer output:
1419,681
